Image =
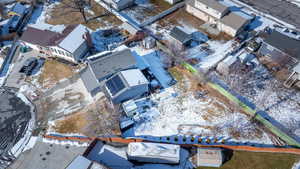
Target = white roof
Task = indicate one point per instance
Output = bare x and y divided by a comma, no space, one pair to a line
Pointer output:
74,39
297,68
154,150
210,157
79,162
129,106
134,77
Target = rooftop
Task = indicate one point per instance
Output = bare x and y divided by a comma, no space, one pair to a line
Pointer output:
73,39
219,6
236,19
33,35
209,157
112,63
284,43
66,39
180,35
80,162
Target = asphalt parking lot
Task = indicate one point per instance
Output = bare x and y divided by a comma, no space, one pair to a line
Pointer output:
280,9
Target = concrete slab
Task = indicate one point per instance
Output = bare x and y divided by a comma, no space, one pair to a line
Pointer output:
47,156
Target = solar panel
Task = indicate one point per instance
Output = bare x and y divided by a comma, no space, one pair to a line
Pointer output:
115,85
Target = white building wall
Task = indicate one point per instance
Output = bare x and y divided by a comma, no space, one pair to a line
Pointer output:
61,53
197,13
34,47
208,10
172,1
227,29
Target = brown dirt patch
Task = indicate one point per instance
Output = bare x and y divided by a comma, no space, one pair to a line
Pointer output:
180,16
72,124
54,71
61,15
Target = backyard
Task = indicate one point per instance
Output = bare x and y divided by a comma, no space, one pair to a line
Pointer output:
250,160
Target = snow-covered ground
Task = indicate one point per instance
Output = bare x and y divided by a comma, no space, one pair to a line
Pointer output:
296,2
296,165
261,88
178,111
39,17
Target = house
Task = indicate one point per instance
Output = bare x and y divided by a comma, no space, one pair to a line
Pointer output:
282,50
172,1
154,153
218,13
126,85
101,67
209,157
119,4
180,37
234,23
18,9
71,44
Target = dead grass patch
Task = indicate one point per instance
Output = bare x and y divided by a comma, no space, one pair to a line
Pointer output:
54,71
61,15
180,16
71,124
161,5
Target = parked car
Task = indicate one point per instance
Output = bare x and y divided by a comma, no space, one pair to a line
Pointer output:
29,65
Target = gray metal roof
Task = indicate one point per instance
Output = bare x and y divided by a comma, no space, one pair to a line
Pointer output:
284,43
89,79
80,162
108,65
215,4
180,35
236,20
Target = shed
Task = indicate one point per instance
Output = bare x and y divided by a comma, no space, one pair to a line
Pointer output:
180,36
209,157
80,162
154,153
126,85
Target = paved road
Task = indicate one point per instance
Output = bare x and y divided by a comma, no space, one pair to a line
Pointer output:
280,9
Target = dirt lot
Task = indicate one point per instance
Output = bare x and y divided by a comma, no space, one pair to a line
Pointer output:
61,15
99,119
54,71
182,18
